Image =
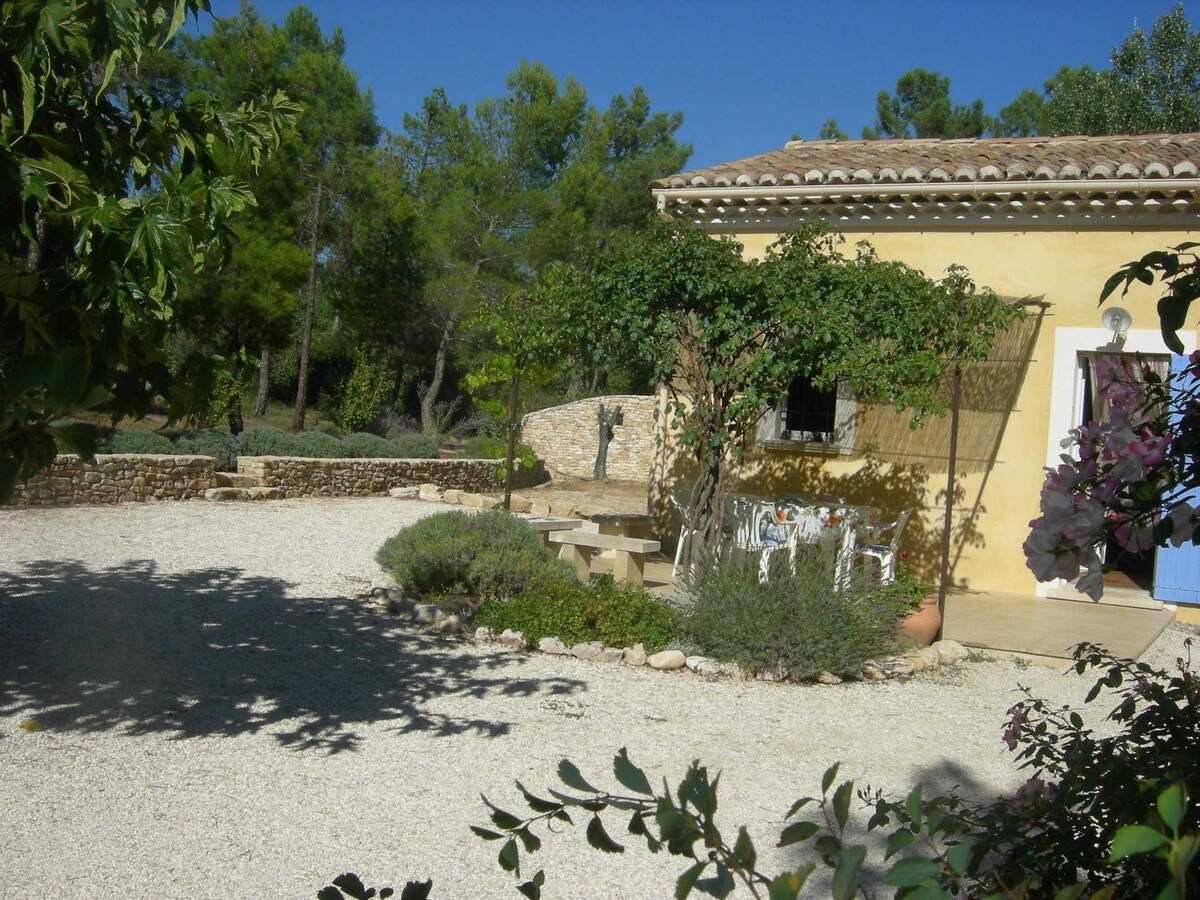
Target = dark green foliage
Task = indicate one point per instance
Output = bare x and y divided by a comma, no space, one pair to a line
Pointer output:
906,591
492,554
798,623
138,441
319,445
263,441
107,204
414,446
483,447
602,610
363,445
220,445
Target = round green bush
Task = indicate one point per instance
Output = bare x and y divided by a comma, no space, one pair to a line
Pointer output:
264,441
139,441
364,445
413,446
800,623
319,445
616,614
483,447
455,553
220,445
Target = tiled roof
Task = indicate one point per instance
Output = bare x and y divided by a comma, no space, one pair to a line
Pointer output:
922,161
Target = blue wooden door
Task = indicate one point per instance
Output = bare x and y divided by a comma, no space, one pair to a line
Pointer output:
1177,569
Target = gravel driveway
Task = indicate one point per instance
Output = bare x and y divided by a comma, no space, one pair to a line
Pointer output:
220,722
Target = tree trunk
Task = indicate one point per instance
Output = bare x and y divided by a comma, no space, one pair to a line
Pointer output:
33,255
512,443
306,337
606,419
429,399
264,379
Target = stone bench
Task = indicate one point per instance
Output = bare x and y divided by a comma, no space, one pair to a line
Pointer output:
629,566
549,524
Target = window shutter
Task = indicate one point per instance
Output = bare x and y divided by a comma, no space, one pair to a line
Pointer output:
844,415
768,427
1177,569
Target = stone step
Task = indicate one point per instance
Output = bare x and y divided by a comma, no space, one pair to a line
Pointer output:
243,493
238,480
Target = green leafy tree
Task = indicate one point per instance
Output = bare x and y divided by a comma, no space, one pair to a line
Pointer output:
921,107
831,132
524,179
1151,87
726,335
111,197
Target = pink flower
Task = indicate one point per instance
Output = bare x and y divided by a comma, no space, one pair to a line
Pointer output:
1151,449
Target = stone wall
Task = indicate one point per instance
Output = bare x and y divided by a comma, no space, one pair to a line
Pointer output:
117,478
567,437
298,477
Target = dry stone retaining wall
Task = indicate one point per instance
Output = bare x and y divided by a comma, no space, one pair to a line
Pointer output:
298,477
117,478
567,437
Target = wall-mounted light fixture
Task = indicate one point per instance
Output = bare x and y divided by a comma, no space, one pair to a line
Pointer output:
1117,320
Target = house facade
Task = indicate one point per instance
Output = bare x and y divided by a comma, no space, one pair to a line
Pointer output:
1041,221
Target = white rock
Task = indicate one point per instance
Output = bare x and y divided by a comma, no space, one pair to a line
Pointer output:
430,492
404,493
587,651
702,665
450,624
451,496
828,678
897,667
635,655
514,639
871,671
609,655
950,652
667,660
553,645
484,633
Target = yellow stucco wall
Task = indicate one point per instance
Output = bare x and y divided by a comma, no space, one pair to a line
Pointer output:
1003,449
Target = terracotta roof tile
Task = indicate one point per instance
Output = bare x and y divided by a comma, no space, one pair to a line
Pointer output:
964,160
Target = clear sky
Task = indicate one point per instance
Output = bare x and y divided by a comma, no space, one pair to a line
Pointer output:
745,75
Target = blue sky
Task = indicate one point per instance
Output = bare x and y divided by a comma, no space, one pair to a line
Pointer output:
746,75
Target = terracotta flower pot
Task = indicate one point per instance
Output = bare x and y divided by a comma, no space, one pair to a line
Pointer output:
921,625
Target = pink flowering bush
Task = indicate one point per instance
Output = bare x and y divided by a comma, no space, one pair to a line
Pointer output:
1128,477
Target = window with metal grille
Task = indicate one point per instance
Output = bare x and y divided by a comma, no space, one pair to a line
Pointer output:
810,414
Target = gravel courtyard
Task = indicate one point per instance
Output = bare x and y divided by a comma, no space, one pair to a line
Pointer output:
221,721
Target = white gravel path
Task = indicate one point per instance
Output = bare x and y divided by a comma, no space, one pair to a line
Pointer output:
215,728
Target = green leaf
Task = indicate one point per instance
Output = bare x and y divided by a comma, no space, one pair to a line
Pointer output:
958,857
28,97
799,805
928,892
845,877
630,775
827,778
510,857
1070,892
598,837
911,872
913,806
897,841
529,840
1172,804
744,853
1132,840
570,775
688,879
797,832
788,885
77,437
841,803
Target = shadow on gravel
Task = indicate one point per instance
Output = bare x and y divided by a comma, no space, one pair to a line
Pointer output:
217,652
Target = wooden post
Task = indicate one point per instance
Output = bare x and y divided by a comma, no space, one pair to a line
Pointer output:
955,399
512,443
